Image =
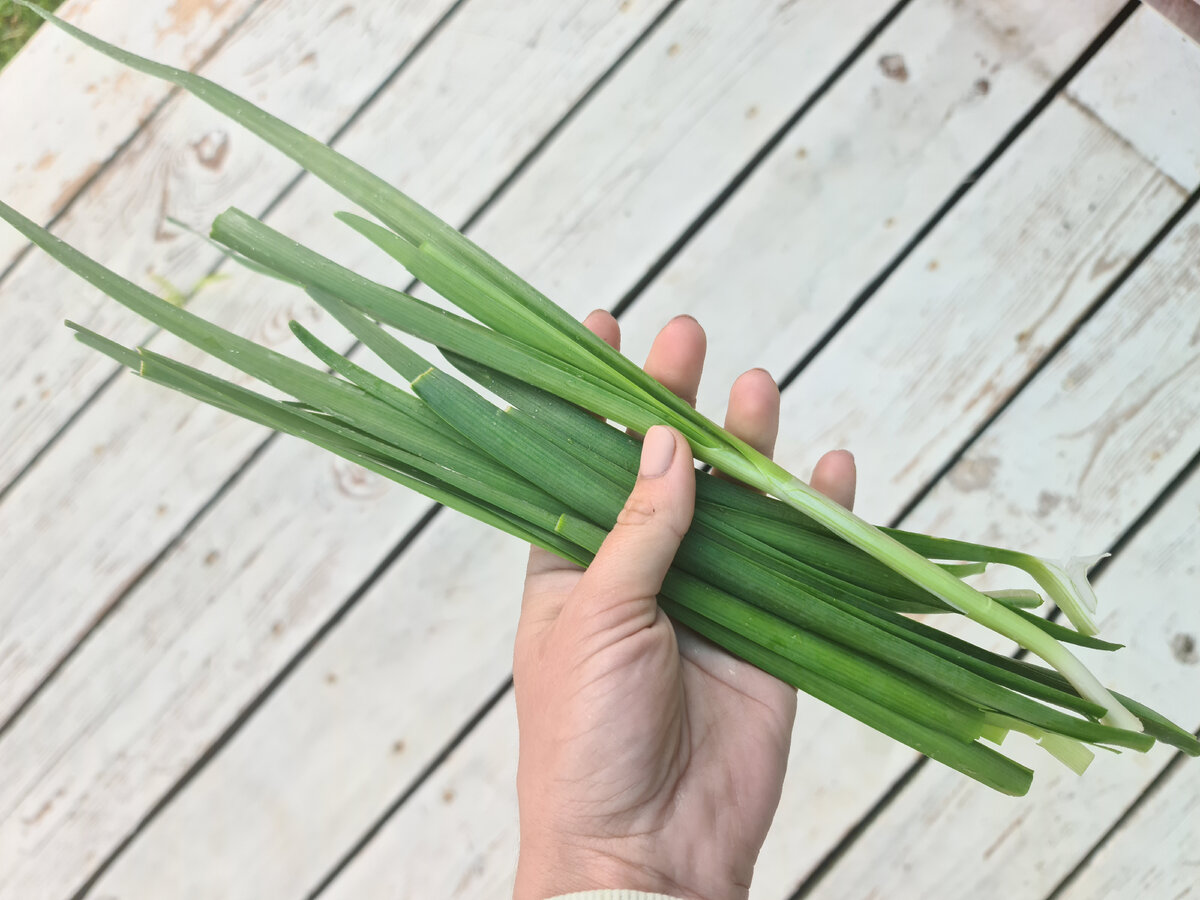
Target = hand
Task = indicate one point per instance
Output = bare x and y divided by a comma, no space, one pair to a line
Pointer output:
650,759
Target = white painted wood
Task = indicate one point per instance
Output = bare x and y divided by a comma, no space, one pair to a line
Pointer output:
200,163
1154,852
472,796
832,755
90,804
947,836
977,306
304,61
870,165
282,782
1164,121
656,147
75,108
633,87
849,765
378,699
1078,455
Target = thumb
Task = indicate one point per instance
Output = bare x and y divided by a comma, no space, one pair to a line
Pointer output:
620,587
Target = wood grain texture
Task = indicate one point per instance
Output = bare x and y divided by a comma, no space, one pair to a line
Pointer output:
76,544
1153,852
372,534
832,755
1078,456
98,748
225,570
301,61
1029,226
1163,121
388,862
977,306
67,110
846,189
274,812
472,796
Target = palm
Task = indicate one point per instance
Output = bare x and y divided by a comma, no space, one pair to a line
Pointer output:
692,752
654,749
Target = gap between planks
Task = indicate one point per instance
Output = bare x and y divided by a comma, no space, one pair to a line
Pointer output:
85,175
108,381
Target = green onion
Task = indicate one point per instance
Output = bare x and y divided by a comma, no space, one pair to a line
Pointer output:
771,570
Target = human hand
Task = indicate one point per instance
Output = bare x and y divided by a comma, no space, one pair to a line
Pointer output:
650,759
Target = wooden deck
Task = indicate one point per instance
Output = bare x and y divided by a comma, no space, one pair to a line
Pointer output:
964,236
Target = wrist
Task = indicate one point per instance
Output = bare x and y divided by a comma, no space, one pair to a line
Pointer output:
553,868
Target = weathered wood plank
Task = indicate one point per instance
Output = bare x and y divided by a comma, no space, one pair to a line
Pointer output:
781,42
979,305
1153,854
379,699
259,737
952,838
190,163
300,60
813,67
839,753
509,109
1032,486
931,99
75,109
472,796
1162,122
1122,401
799,838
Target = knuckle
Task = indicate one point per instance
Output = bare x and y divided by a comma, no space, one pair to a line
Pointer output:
637,512
644,513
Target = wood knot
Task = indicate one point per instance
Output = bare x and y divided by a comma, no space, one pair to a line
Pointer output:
212,149
1183,646
892,65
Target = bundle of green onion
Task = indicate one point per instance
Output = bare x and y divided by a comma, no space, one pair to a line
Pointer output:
785,579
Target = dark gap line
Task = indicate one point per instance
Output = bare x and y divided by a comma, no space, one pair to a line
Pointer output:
756,160
1164,497
76,414
130,588
54,219
813,879
107,163
1152,789
422,777
256,702
297,659
839,850
364,107
105,385
961,191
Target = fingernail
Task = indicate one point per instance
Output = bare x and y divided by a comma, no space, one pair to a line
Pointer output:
658,449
